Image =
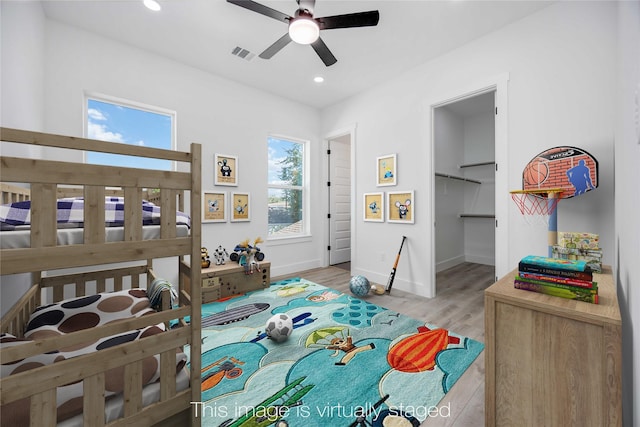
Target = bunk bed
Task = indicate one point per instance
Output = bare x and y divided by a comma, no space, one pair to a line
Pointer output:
135,373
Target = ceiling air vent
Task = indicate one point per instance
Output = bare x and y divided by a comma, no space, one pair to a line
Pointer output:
242,53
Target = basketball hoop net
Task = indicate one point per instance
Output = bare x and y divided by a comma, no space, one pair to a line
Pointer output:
536,206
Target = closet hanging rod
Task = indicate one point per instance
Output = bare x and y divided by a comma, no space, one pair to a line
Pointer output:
469,165
467,215
460,178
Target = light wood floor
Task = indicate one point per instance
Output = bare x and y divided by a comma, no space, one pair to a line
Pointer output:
458,306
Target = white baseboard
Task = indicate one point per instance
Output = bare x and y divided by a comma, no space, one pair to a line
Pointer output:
448,263
282,270
479,259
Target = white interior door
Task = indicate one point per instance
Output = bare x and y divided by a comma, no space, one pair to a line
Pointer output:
340,200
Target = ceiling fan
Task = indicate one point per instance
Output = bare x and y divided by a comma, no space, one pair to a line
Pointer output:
305,29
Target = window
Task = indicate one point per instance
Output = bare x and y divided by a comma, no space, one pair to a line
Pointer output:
117,120
287,187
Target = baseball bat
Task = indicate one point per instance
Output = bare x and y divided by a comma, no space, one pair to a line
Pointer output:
392,276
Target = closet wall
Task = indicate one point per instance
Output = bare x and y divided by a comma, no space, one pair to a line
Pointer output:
464,199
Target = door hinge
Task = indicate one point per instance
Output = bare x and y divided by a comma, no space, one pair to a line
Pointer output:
328,215
328,183
496,223
496,111
496,167
328,151
328,248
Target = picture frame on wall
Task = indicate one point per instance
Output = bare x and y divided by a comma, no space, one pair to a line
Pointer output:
226,168
373,207
214,206
401,207
386,170
240,207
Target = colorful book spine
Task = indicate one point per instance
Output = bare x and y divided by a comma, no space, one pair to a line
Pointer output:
586,276
562,291
556,263
561,280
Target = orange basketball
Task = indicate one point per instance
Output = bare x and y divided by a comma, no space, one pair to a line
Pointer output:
536,172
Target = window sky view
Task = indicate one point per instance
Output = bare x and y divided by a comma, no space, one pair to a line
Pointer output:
118,123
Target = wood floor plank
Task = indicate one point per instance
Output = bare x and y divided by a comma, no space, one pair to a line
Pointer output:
457,306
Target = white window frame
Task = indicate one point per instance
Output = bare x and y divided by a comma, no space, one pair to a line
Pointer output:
130,104
306,204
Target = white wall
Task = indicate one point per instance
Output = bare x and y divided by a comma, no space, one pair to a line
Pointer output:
223,116
627,203
449,193
561,86
21,103
479,146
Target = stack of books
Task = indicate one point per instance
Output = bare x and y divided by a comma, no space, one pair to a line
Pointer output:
571,279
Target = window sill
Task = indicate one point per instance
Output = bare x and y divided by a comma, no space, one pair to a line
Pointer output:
287,240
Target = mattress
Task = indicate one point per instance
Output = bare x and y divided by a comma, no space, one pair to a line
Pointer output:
21,238
114,409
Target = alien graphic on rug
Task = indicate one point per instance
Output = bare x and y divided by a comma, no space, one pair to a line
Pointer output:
348,347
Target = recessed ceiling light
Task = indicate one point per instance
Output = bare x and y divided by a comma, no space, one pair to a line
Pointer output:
318,79
152,4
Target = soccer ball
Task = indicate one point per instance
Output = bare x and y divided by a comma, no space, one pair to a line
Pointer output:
359,286
279,327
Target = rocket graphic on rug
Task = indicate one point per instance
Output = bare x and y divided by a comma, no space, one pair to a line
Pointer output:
233,315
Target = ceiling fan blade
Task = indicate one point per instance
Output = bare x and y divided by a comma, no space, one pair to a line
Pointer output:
350,20
323,52
262,10
276,47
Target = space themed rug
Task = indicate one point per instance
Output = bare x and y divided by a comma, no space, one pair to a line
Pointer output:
346,362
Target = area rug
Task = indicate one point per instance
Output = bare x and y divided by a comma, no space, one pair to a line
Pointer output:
347,362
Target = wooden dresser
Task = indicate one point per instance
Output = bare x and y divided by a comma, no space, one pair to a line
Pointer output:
551,361
219,281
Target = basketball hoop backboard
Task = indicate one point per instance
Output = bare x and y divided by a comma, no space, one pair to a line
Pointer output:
570,169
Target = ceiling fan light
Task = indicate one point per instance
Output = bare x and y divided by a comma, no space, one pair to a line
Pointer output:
304,30
152,5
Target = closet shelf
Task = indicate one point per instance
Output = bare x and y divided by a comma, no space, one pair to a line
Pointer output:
460,178
470,215
470,165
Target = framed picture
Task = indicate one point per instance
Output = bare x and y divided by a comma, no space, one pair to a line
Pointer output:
240,207
386,170
374,207
401,207
226,168
214,206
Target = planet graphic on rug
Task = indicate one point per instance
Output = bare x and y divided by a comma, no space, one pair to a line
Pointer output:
359,286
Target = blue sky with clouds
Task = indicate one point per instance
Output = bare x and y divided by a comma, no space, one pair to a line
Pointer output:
117,123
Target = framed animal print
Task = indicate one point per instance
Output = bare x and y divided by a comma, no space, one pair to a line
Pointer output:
226,168
214,206
386,170
240,207
374,207
400,207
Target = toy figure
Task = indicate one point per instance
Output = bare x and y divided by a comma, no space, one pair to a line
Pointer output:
248,256
206,262
220,254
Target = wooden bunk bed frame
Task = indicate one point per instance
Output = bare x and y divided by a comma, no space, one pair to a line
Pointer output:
44,257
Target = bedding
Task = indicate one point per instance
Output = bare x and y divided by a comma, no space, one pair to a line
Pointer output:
70,213
75,236
73,315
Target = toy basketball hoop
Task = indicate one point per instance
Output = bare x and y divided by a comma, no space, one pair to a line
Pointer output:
556,173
